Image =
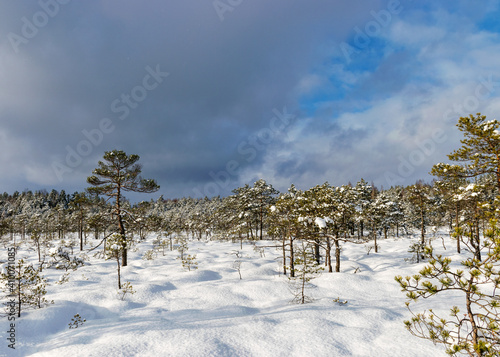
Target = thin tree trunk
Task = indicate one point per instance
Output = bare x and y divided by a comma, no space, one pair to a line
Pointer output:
119,277
328,259
459,236
19,300
80,232
122,228
284,255
422,228
317,255
470,314
337,256
261,220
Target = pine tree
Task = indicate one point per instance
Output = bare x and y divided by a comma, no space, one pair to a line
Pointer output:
25,285
118,174
114,249
474,328
480,152
263,196
306,269
284,222
78,205
419,196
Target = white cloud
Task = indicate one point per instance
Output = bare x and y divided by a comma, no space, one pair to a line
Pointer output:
453,74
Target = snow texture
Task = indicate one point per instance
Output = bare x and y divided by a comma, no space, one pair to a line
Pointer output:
211,312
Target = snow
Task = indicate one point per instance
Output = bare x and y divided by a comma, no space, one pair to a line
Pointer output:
320,222
211,312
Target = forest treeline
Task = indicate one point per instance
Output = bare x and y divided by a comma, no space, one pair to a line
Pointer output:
325,212
461,197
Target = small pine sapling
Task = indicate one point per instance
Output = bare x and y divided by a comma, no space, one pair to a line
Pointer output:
418,252
189,262
237,262
115,245
36,285
76,321
306,268
237,266
63,279
182,247
149,254
126,288
260,250
161,244
37,238
26,285
61,259
340,302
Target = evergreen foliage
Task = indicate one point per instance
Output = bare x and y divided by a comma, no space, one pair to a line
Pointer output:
118,174
76,321
474,327
306,269
26,285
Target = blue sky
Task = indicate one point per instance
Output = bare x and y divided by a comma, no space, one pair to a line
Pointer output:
216,94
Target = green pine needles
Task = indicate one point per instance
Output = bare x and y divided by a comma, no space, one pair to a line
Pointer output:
474,327
306,268
25,286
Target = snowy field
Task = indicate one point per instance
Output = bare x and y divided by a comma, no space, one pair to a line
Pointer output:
211,312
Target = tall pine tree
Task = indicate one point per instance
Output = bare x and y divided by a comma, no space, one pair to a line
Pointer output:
119,173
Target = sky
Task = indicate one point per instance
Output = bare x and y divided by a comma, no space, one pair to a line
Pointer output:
216,94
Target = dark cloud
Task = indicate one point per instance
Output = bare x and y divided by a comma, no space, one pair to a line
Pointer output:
83,68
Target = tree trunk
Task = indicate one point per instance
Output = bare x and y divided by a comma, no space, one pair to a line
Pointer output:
328,258
119,277
261,220
317,255
124,247
474,332
284,254
19,300
478,239
80,232
337,256
422,228
122,228
457,224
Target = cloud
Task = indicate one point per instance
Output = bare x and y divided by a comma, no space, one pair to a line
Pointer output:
226,78
389,126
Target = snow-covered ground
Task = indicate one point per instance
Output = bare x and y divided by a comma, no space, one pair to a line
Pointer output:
211,312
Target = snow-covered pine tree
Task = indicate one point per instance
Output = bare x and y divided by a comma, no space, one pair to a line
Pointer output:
474,327
479,154
306,268
118,174
26,285
284,223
